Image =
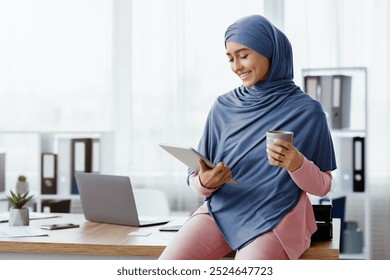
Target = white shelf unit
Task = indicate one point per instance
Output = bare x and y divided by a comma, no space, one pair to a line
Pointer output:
23,157
357,206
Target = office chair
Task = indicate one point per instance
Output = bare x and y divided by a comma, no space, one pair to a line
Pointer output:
57,205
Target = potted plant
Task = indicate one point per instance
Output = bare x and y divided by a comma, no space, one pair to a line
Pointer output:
18,214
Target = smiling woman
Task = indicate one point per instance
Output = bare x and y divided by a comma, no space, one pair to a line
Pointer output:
268,214
250,66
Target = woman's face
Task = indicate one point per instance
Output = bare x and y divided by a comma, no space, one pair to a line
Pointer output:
250,66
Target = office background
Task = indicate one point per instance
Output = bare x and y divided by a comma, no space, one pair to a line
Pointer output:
149,70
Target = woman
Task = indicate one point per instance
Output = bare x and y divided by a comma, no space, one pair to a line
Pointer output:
268,215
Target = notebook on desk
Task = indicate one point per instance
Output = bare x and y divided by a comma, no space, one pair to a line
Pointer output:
110,199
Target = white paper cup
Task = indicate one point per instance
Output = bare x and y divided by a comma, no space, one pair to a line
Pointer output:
279,134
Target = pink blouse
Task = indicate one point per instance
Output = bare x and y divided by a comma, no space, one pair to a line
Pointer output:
296,228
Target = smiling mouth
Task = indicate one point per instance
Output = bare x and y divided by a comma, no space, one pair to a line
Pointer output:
244,75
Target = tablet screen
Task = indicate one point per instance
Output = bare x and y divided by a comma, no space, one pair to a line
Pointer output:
190,157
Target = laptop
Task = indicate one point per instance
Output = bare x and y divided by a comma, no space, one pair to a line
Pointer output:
110,199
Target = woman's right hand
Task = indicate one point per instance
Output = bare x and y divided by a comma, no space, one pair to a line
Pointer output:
213,178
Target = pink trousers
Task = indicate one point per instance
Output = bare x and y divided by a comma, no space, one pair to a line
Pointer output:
200,239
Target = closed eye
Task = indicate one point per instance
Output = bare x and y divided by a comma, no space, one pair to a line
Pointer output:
241,57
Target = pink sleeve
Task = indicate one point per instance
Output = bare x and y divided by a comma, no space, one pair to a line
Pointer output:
197,186
311,179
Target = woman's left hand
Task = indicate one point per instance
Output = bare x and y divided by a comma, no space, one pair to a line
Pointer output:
282,153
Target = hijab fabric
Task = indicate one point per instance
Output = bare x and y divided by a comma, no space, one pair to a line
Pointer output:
235,133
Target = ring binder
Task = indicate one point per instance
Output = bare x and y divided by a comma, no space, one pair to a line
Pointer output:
358,164
341,101
312,86
81,159
334,93
76,154
48,173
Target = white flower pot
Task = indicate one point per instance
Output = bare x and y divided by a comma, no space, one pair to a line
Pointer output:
19,217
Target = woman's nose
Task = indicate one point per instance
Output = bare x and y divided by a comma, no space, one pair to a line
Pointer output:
236,65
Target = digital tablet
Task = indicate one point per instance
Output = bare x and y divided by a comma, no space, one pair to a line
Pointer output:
190,157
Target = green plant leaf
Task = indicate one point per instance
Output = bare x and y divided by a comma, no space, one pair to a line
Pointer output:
14,196
18,200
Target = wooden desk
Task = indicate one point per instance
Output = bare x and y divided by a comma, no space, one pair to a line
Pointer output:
112,241
325,250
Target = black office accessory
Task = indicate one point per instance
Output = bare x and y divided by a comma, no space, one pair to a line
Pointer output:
358,164
56,205
59,226
323,212
170,228
81,159
48,173
324,232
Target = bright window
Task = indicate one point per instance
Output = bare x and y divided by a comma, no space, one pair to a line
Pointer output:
55,70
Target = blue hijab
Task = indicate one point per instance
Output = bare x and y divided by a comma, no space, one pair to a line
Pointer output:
235,134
